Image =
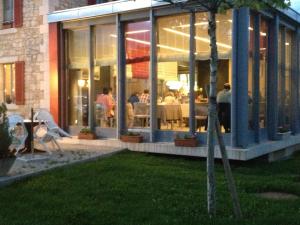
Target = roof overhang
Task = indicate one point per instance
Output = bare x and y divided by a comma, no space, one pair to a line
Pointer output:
102,9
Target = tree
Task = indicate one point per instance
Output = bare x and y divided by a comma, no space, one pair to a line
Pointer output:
213,7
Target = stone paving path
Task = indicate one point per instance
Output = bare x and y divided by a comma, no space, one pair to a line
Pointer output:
71,154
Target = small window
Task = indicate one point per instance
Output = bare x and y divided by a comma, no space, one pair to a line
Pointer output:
7,83
8,11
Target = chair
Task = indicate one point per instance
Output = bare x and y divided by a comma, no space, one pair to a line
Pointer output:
201,112
141,112
101,115
18,133
47,130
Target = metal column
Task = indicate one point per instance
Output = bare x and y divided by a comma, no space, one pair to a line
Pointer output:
272,80
121,78
239,105
153,75
91,77
192,124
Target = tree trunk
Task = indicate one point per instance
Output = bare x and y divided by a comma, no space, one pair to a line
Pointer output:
212,114
229,177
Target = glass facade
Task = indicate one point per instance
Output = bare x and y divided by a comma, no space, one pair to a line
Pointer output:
78,77
105,75
263,70
137,45
173,74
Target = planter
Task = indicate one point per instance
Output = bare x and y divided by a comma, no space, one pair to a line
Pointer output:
5,165
188,142
87,136
132,138
284,135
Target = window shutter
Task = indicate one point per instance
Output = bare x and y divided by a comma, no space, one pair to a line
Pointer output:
91,2
20,82
18,13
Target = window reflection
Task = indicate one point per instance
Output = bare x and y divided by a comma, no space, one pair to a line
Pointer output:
105,76
137,42
173,68
78,74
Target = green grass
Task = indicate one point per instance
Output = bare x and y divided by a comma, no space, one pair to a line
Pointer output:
143,189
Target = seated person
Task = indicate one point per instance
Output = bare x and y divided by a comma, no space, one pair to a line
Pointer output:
170,98
107,102
145,97
133,98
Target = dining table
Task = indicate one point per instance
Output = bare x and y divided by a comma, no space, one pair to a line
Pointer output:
28,124
168,113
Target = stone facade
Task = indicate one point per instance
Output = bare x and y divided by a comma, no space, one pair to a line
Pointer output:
30,44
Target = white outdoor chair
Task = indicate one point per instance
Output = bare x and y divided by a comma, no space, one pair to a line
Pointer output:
48,130
18,133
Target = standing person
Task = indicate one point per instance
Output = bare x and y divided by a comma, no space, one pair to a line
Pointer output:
224,105
145,97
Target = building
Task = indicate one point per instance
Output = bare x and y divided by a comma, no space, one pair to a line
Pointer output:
24,61
149,49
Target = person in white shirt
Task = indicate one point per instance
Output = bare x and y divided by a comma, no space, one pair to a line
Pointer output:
170,98
224,107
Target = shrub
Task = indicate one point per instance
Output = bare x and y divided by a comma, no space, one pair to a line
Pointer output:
86,130
5,139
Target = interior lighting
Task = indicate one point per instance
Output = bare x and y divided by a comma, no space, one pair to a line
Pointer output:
206,40
137,31
81,83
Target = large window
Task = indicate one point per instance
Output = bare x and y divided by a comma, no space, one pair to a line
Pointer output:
260,78
224,43
137,43
105,75
284,79
263,62
288,73
251,73
8,11
7,83
78,77
173,72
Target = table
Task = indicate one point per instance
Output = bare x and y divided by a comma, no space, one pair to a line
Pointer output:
168,112
27,124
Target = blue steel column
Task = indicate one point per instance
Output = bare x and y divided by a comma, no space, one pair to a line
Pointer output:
121,78
91,78
295,83
239,105
272,79
153,75
255,75
192,73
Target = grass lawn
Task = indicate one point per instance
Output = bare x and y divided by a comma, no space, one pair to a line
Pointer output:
137,189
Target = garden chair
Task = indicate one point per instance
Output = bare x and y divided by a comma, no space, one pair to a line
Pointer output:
47,130
18,133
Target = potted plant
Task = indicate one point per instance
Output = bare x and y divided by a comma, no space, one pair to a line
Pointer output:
186,141
7,158
284,132
132,137
86,133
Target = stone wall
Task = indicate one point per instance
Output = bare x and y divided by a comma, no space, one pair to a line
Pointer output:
30,44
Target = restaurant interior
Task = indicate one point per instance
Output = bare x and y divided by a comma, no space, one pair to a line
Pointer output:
172,105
